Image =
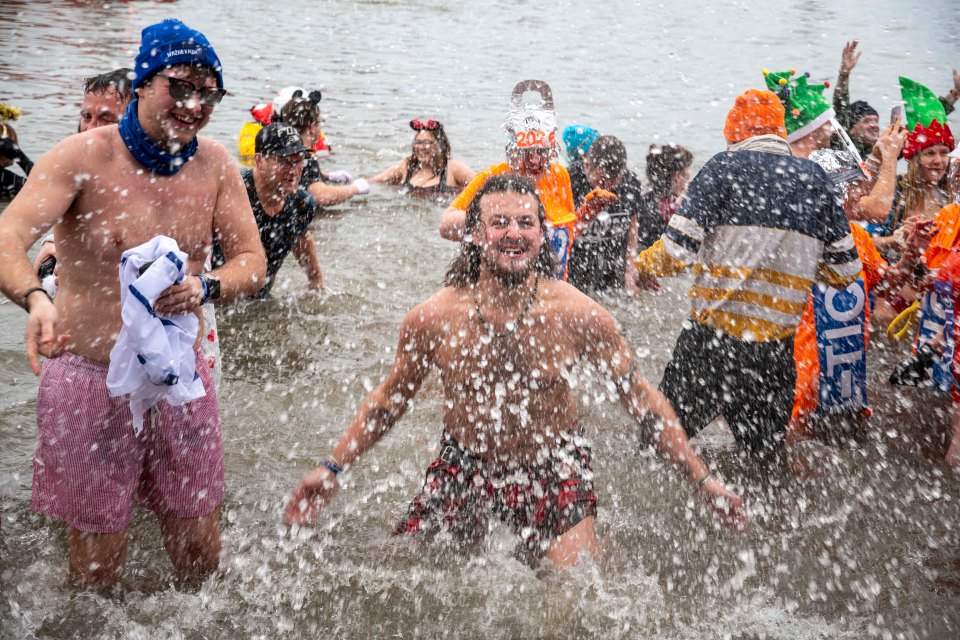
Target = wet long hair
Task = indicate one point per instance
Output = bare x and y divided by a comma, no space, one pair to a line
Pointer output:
465,268
440,158
912,190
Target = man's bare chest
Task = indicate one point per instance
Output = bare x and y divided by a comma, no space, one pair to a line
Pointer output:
113,215
533,356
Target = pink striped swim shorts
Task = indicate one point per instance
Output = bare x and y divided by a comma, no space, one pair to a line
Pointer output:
89,466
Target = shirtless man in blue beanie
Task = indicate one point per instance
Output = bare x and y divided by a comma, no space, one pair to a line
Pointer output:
102,192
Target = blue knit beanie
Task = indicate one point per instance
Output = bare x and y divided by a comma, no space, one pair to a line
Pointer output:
171,42
577,140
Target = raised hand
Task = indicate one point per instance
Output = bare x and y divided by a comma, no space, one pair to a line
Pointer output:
849,58
891,140
595,202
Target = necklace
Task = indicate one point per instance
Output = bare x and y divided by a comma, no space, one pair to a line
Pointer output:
519,321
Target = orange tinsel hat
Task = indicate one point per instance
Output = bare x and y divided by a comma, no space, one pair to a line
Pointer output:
755,113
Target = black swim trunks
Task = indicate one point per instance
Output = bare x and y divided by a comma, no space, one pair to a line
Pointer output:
539,502
751,384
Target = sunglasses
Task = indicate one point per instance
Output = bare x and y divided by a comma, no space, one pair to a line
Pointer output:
429,125
182,91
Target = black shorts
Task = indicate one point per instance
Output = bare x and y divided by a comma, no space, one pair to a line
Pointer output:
750,384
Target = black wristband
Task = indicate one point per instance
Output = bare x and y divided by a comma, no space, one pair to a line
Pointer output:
30,292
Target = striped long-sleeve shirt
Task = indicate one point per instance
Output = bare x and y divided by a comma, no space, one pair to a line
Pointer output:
758,229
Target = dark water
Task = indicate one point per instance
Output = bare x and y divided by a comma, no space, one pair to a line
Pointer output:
866,546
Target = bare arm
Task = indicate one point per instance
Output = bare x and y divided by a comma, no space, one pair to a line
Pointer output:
235,229
378,412
393,175
462,174
305,251
328,195
609,352
948,101
47,196
452,223
245,266
875,206
917,239
44,200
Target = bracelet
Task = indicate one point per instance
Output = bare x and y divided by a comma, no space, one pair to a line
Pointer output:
206,288
704,480
30,292
335,468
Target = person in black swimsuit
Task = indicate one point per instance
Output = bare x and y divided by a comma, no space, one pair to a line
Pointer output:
282,208
598,259
11,154
428,171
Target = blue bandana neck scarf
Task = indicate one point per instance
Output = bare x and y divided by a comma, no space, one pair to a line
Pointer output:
146,151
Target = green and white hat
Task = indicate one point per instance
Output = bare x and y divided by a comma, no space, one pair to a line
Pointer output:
805,105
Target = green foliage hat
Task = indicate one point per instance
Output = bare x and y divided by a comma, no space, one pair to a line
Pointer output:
807,109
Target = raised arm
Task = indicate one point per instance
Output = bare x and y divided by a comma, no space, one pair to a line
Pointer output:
454,218
875,205
378,412
452,223
47,196
950,99
841,93
606,349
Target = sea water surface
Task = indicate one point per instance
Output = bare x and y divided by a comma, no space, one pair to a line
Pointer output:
866,545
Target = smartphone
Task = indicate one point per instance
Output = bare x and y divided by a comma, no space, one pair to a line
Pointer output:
895,113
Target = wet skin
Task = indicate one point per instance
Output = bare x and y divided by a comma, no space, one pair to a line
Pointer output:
101,202
507,398
101,109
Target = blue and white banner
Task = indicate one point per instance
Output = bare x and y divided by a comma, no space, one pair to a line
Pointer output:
840,317
937,319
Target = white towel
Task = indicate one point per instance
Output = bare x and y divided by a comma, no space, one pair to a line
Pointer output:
153,358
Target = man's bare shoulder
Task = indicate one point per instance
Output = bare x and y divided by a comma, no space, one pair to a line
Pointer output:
90,149
566,297
574,307
437,310
214,152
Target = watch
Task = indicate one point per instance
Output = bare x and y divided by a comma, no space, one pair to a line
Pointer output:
213,286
